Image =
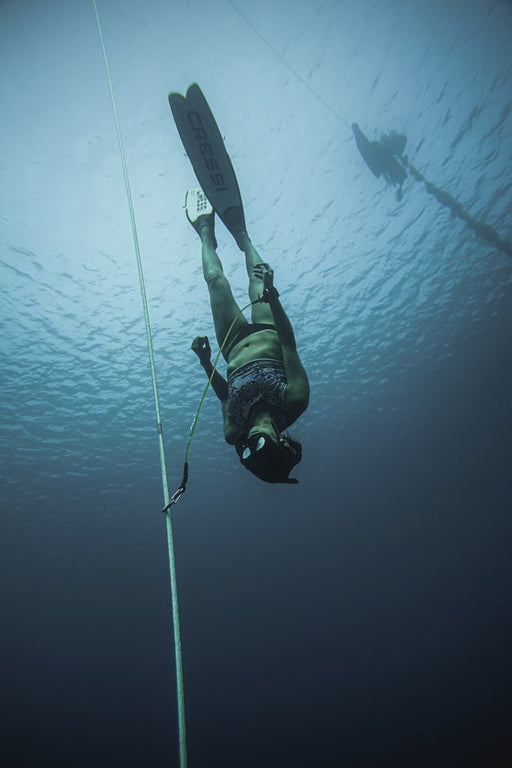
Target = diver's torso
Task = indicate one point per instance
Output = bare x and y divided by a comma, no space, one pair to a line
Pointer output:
262,344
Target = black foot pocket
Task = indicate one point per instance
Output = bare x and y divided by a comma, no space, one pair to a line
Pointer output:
234,221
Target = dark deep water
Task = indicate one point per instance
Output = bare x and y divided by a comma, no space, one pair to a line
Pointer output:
361,618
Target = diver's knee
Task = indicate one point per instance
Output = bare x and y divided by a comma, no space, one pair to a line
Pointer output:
215,280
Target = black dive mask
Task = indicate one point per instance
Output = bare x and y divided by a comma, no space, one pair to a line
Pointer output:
268,460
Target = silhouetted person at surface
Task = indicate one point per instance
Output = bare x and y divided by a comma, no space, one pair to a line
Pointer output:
381,158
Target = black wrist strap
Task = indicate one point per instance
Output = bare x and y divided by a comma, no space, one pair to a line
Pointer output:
270,293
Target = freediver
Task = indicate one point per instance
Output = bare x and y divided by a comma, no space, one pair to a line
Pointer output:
381,156
267,388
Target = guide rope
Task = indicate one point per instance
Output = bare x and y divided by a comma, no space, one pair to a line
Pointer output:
170,538
289,67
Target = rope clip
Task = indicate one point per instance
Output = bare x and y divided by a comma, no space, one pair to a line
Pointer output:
178,493
174,499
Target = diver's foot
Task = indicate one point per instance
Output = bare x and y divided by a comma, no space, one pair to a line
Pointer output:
234,221
200,213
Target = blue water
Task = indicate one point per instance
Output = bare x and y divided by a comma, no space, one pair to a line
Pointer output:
359,618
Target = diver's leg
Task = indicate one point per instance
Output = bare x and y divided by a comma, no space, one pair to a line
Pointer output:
224,307
261,312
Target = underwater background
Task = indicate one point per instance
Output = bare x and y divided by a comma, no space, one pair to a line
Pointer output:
362,617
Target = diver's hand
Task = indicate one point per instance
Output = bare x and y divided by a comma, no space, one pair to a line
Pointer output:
265,272
260,270
201,346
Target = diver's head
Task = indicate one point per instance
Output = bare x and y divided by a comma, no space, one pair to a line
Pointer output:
269,455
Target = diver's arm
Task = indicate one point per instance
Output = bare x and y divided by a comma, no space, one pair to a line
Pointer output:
297,389
201,346
297,386
231,430
281,321
270,296
219,383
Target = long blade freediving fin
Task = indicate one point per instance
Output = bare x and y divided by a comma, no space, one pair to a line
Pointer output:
206,151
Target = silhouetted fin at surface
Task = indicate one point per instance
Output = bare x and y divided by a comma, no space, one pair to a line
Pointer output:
478,227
